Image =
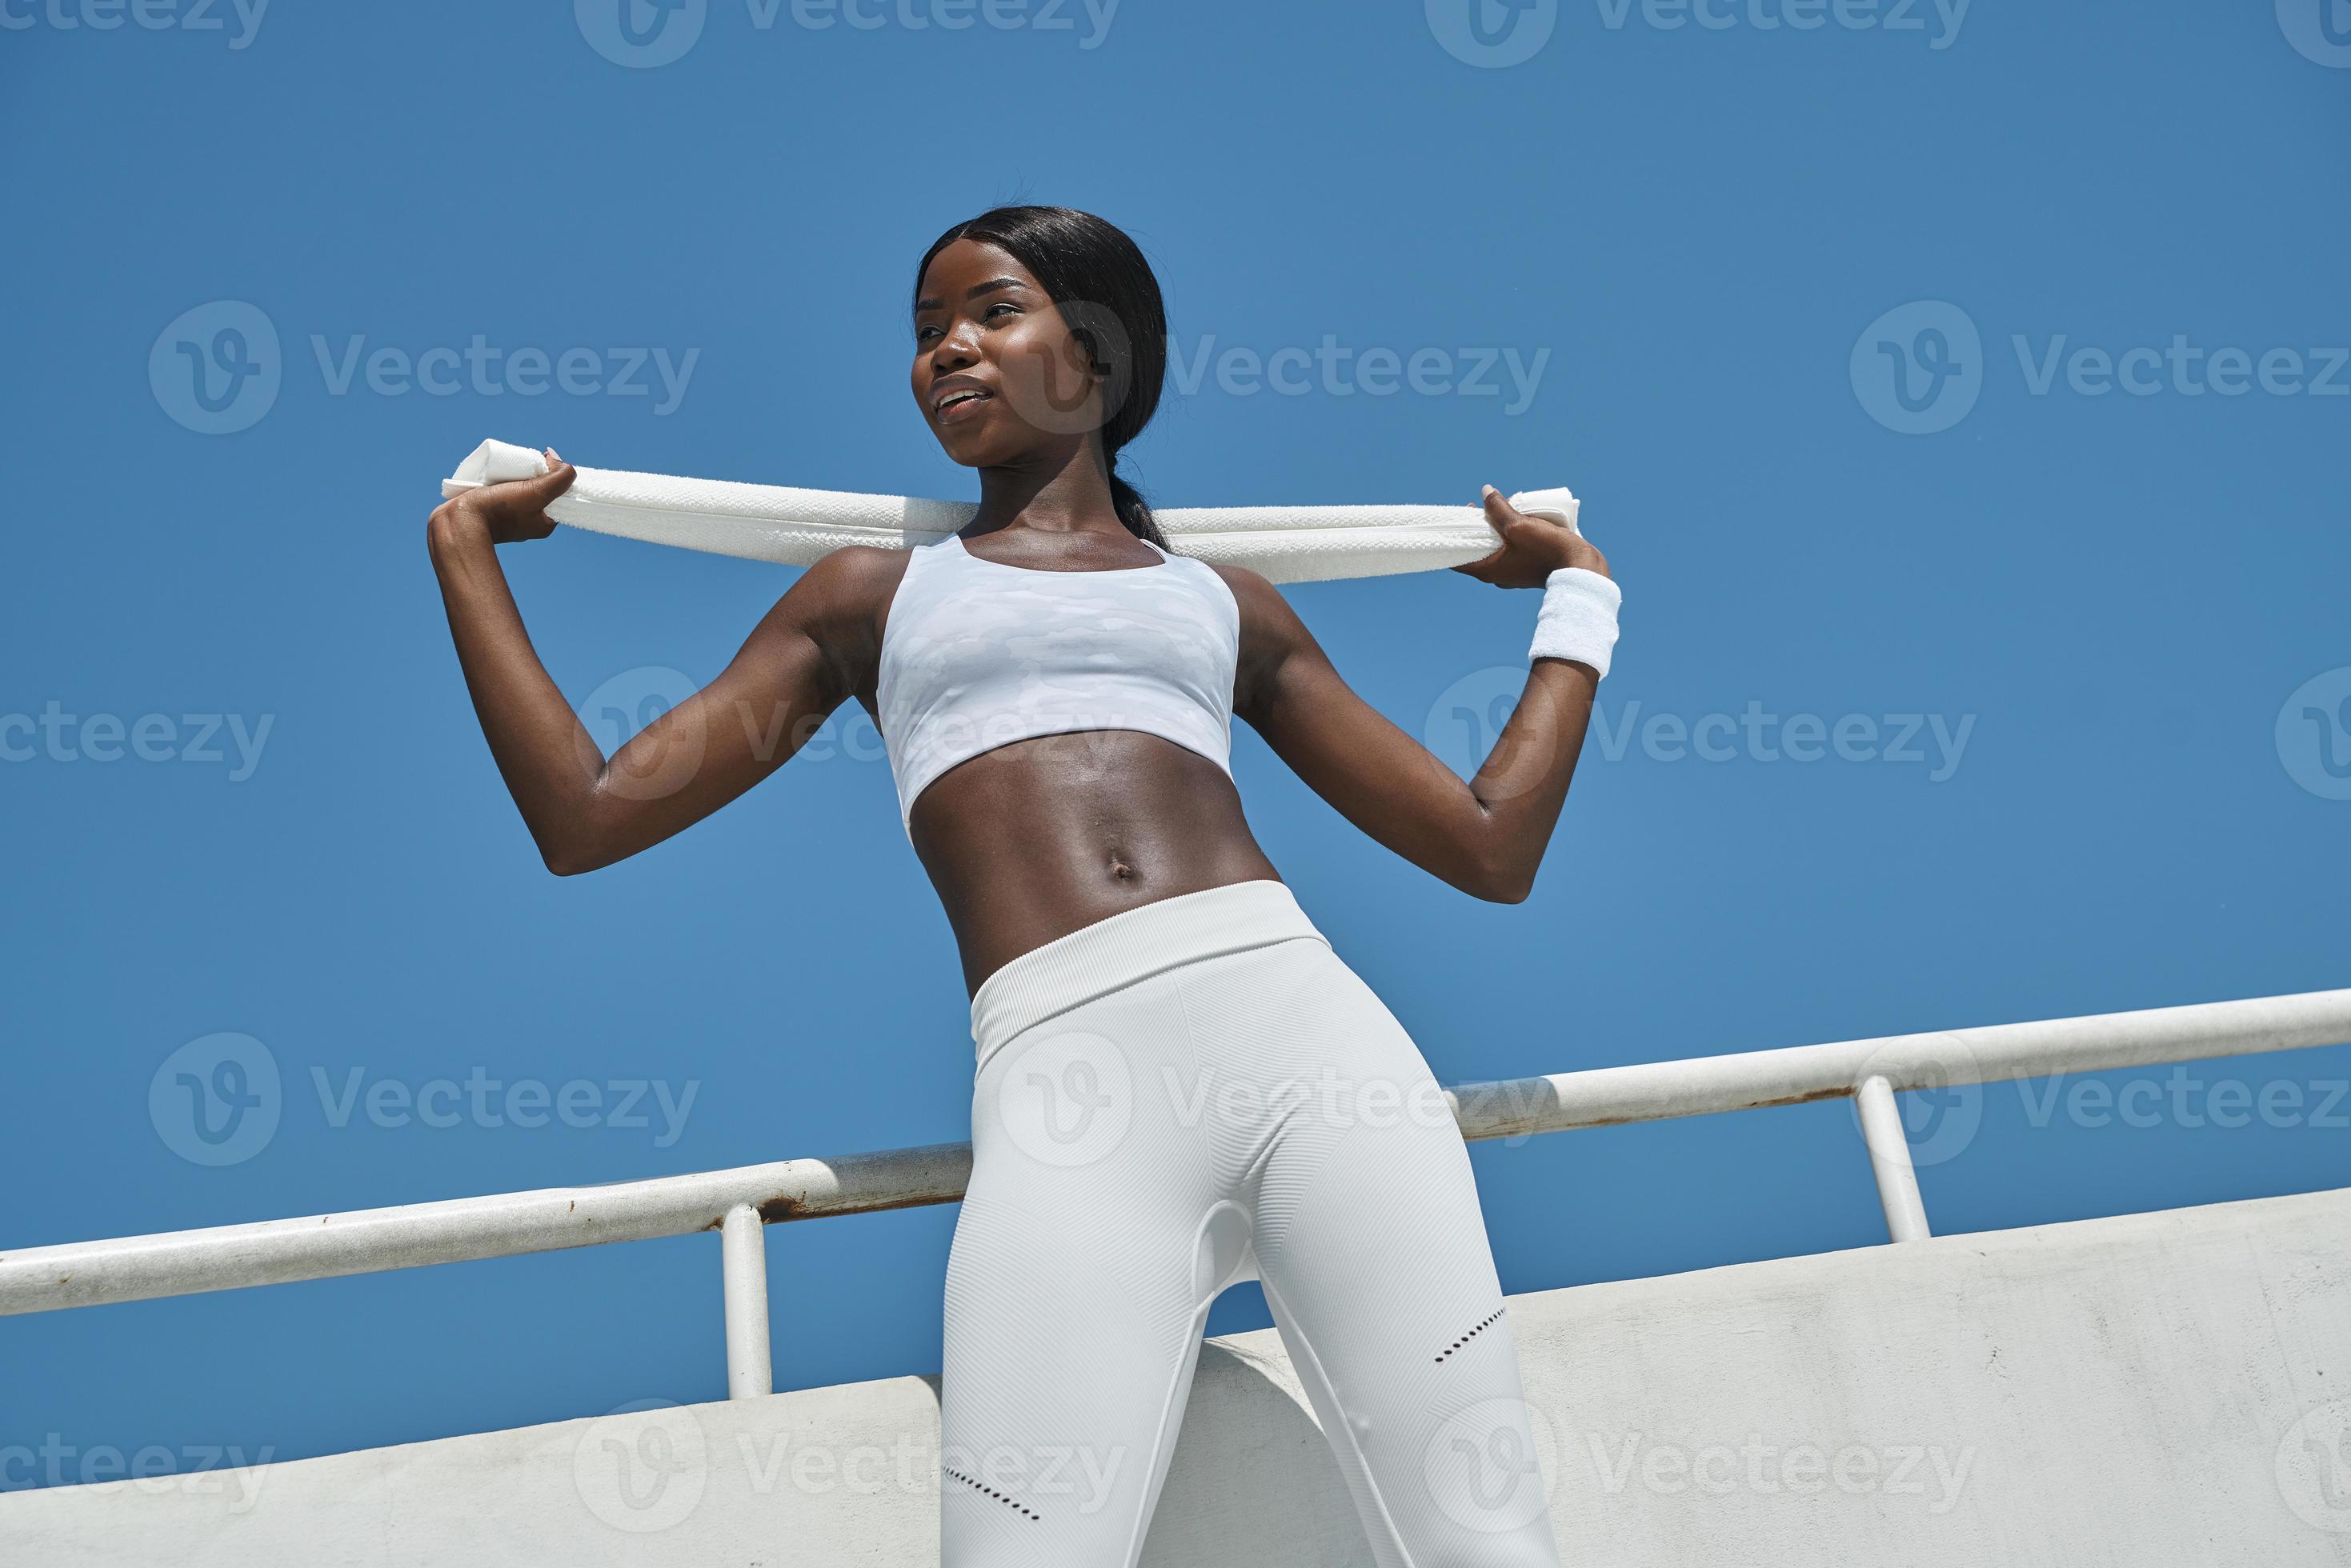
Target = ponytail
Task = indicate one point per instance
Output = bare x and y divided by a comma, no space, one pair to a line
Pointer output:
1133,509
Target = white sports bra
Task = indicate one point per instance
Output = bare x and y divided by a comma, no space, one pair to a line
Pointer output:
977,655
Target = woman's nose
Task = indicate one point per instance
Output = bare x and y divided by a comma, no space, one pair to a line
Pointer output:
959,345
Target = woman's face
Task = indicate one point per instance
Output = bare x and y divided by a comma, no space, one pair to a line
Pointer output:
996,372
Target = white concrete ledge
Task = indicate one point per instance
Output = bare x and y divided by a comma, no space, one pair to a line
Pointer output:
2162,1389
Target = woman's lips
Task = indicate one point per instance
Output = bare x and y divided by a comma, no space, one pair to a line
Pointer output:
963,405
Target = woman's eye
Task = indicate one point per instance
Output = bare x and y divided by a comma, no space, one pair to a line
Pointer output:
925,333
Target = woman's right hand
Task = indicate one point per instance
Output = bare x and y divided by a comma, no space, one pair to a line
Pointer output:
511,512
1532,547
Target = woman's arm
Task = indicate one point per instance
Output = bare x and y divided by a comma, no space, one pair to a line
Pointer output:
1486,836
583,810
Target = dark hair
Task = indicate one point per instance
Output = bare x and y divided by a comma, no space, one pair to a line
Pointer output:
1106,291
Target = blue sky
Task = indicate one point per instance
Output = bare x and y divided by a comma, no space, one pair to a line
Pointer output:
1975,388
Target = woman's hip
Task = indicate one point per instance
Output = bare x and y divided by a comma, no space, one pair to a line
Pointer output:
1206,1036
1125,949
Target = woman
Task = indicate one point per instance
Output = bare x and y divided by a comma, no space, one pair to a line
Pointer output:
1179,1085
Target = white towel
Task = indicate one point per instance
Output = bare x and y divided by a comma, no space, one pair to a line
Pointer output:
796,527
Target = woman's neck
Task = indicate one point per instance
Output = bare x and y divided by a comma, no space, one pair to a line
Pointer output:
1062,489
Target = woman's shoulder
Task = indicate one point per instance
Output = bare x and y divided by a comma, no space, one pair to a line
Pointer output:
843,599
864,574
1252,589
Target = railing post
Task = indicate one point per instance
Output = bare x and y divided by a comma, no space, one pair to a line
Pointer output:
743,1256
1890,1158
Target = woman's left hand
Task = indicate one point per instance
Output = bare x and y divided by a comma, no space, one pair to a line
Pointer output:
1532,548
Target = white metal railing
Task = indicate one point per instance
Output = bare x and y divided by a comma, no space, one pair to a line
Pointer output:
741,1202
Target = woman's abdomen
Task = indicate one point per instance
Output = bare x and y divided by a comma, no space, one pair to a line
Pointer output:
1034,840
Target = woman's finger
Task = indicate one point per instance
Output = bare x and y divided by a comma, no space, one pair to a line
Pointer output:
1500,512
1482,568
538,493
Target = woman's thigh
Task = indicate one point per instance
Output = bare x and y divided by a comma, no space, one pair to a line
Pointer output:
1077,1290
1373,1247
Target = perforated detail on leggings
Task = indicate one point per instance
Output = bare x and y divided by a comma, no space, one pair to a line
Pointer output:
1488,1321
1025,1512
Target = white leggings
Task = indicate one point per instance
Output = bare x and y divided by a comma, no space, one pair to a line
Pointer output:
1189,1094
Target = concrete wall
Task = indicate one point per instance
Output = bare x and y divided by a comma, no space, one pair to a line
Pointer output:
2169,1388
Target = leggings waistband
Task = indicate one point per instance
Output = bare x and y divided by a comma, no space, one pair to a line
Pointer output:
1129,946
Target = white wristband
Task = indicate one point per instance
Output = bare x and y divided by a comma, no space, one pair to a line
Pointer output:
1578,619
